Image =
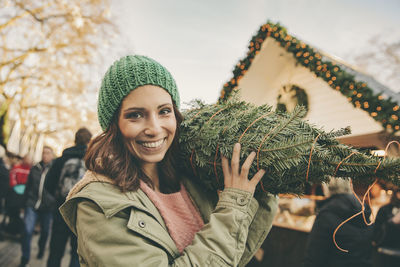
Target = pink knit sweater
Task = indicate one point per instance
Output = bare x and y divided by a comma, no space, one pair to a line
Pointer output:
180,215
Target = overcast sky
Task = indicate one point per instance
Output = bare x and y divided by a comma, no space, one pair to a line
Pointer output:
201,41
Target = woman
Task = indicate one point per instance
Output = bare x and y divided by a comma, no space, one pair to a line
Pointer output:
135,207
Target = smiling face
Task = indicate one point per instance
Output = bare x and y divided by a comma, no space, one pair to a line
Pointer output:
148,124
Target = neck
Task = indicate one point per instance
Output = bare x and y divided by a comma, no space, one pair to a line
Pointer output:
151,170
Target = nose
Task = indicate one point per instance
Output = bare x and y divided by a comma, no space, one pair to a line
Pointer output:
153,126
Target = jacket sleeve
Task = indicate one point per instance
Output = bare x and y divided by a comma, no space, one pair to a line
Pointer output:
221,242
260,226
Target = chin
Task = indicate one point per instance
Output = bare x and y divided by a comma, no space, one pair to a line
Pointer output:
152,159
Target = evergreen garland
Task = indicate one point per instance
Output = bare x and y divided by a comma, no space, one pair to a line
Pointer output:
283,142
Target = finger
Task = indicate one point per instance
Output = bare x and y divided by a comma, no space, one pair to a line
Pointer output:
225,169
246,165
235,159
257,177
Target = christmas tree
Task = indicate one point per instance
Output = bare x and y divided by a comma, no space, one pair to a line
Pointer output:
292,151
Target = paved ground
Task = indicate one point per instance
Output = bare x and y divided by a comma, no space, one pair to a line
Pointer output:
10,252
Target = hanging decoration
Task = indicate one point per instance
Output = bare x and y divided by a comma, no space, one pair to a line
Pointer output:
290,96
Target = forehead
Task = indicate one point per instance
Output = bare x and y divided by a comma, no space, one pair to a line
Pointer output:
147,96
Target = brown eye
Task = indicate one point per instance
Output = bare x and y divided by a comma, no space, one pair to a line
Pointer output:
165,111
133,115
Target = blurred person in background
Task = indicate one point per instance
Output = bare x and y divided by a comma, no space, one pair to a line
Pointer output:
4,179
15,196
354,236
39,205
386,238
65,172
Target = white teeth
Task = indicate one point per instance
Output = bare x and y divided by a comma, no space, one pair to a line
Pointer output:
152,144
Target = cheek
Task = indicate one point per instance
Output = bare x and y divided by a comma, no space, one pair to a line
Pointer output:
127,130
172,126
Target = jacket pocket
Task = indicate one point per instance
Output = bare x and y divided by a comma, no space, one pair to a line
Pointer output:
148,227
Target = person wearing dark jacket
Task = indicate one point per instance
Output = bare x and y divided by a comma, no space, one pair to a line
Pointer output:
386,239
60,231
354,236
4,178
39,205
15,195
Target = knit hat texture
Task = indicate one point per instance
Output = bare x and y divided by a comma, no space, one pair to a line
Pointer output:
127,74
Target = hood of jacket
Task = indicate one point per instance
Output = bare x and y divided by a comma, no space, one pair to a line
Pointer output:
101,190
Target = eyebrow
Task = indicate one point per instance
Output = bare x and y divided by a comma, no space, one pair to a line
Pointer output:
142,109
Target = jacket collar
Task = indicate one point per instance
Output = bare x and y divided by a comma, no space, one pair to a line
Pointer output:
111,200
139,199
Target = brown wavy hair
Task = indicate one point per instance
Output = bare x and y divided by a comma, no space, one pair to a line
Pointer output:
108,154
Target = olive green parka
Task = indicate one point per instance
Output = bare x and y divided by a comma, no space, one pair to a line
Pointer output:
126,229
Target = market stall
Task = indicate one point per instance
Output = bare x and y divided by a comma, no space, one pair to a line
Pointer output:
281,70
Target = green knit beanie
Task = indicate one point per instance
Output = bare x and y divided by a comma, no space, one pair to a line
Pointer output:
127,74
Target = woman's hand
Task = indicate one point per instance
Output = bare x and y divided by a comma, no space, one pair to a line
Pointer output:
239,180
